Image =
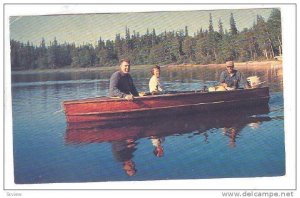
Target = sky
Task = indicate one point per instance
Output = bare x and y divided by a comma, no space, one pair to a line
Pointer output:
88,28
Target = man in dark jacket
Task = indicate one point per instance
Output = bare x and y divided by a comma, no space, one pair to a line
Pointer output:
121,84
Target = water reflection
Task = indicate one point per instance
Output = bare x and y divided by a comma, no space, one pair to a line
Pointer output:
123,152
231,133
123,135
61,76
157,143
208,75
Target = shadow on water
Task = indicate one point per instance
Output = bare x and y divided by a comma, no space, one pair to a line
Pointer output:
123,135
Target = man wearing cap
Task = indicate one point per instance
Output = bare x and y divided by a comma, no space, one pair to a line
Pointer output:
231,78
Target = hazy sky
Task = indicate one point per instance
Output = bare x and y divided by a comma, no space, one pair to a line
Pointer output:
88,28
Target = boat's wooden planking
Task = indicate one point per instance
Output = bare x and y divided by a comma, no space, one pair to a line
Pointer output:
105,109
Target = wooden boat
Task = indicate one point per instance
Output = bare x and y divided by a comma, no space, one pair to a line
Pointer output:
97,132
105,108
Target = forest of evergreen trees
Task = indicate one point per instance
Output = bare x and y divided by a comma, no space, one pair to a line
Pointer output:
260,42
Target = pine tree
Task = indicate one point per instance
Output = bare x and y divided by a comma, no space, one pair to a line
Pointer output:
186,34
157,54
210,27
274,26
262,41
221,31
233,29
153,37
42,58
118,46
264,38
188,48
53,54
128,41
15,49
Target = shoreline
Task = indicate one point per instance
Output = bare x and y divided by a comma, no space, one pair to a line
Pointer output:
253,64
236,64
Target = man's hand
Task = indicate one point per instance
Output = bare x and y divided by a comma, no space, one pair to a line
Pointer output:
141,94
224,85
129,97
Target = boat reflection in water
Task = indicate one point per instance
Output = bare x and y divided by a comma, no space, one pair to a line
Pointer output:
123,134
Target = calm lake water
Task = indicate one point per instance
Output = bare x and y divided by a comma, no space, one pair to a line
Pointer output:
239,143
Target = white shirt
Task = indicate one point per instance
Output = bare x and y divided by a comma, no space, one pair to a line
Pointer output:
154,84
157,141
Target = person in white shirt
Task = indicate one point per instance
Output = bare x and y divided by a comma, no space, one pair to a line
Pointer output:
154,83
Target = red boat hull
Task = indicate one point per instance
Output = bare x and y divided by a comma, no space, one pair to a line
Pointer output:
104,108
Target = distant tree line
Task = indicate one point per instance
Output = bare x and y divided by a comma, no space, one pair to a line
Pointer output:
260,42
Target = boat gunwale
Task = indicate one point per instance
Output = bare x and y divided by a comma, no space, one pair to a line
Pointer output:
165,107
111,99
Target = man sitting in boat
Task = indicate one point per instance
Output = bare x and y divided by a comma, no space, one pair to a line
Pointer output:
231,78
154,83
121,84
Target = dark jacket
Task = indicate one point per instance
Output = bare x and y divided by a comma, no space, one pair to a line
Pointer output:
121,151
121,85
